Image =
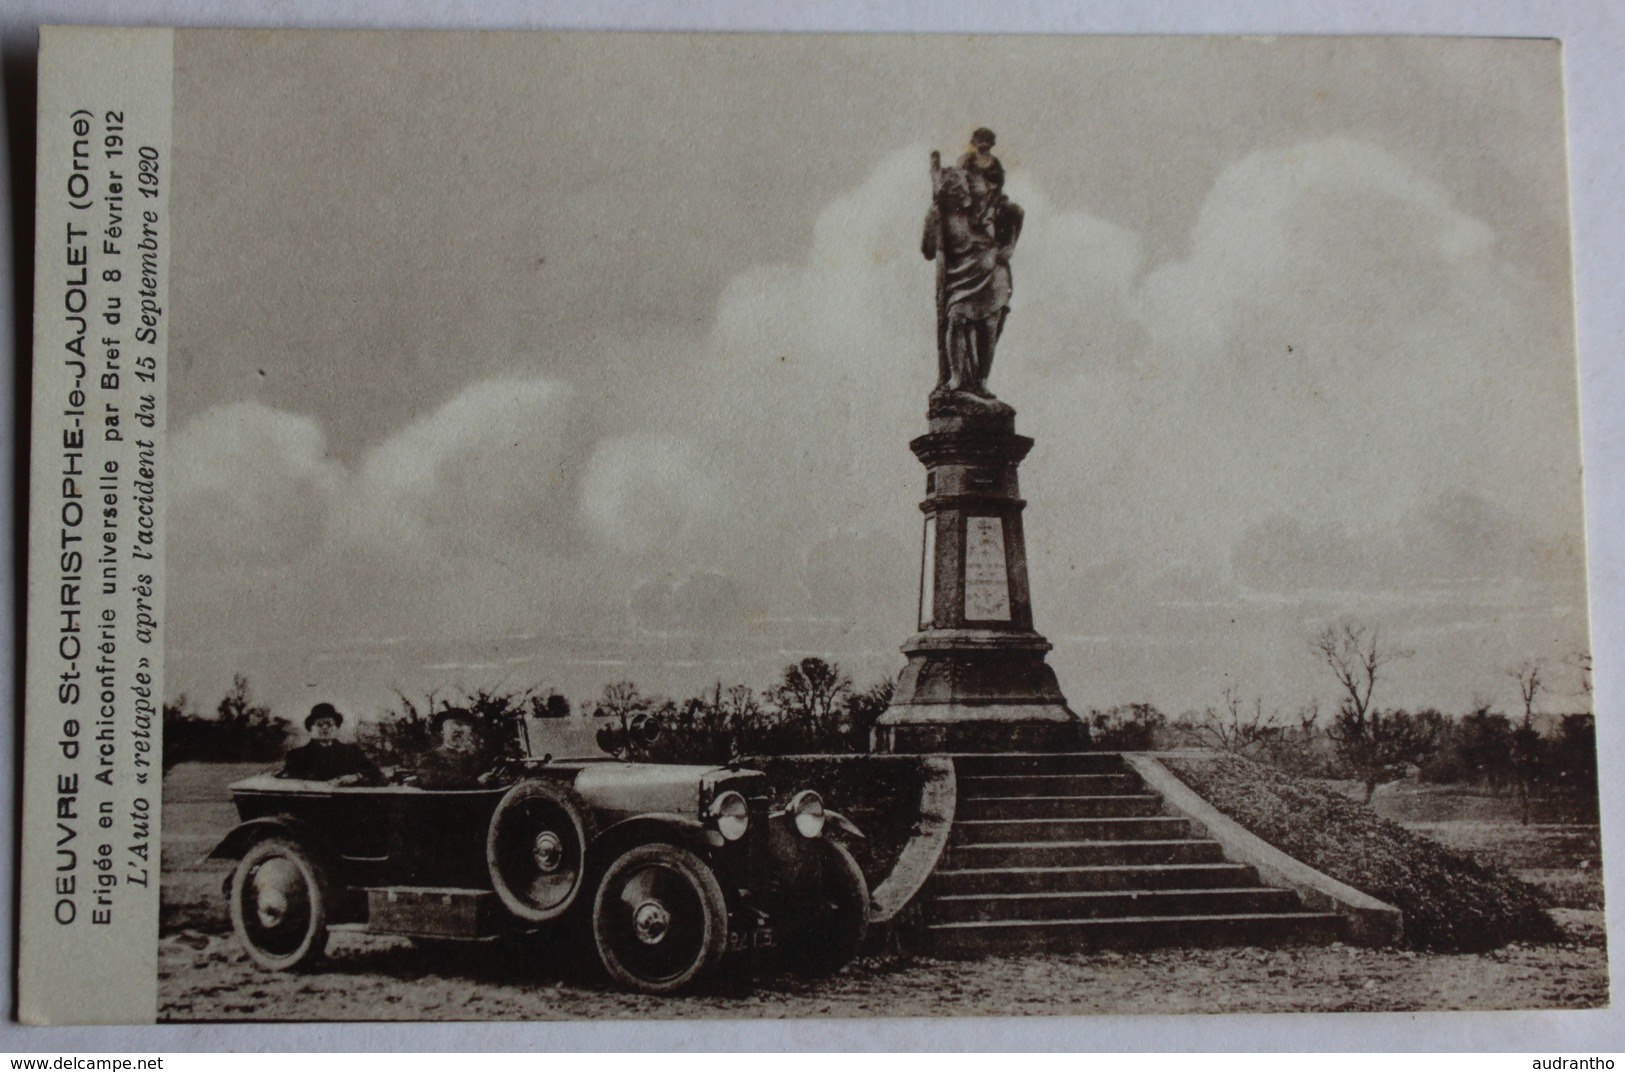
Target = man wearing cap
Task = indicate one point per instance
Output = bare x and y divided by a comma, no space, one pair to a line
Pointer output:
325,758
457,762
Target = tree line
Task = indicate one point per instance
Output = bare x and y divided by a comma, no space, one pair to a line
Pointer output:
814,707
1518,753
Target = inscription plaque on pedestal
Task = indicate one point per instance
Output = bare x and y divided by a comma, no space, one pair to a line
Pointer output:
976,679
987,576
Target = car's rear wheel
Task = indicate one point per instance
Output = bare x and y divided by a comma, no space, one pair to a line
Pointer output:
821,927
659,920
279,905
536,849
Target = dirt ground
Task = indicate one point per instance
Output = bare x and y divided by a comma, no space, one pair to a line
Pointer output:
203,975
206,977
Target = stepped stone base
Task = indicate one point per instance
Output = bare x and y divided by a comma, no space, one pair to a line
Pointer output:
927,728
1068,852
971,691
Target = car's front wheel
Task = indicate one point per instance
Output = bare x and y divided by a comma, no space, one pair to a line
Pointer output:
279,903
660,921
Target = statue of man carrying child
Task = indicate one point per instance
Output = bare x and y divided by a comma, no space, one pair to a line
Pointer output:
970,231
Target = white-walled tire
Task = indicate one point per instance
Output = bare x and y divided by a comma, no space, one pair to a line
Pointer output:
279,905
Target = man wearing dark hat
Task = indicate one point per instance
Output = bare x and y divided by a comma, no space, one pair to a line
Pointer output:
325,758
458,761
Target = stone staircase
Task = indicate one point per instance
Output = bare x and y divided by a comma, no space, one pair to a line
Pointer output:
1070,851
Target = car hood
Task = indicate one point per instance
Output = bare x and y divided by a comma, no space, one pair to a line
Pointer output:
640,788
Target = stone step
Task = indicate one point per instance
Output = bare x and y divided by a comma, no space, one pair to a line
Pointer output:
1084,853
1132,828
975,786
1098,806
1101,904
983,938
1038,763
1065,852
994,880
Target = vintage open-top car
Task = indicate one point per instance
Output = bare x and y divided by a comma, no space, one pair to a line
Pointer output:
670,866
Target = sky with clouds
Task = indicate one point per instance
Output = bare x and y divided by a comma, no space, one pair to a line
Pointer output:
514,360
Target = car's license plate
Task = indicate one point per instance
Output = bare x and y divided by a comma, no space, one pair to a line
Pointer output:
757,938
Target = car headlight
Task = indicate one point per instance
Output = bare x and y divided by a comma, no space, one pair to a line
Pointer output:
731,813
807,809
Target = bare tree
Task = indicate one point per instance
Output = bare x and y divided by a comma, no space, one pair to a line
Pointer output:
1530,685
1237,729
1355,657
740,711
1526,739
740,702
1581,661
1308,715
1376,745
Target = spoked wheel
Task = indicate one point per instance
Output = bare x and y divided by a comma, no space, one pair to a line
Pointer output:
660,921
536,849
279,904
820,928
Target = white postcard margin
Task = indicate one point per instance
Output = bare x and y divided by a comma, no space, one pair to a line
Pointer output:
92,780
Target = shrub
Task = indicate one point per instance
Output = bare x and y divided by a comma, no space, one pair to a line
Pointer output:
240,730
407,729
879,793
1136,727
813,708
1574,764
1476,749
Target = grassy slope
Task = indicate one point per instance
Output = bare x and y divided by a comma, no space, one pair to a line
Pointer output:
1451,902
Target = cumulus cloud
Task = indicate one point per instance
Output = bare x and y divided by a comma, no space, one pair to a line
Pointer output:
1338,342
488,470
1457,544
1234,435
250,484
648,494
704,601
1336,227
813,378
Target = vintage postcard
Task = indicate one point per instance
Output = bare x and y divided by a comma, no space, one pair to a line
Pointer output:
579,526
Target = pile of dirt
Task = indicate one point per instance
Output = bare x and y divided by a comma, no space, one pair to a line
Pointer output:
1451,902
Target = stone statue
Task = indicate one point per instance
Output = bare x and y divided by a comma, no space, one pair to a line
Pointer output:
970,232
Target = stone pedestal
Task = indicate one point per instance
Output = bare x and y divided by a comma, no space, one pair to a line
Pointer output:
976,679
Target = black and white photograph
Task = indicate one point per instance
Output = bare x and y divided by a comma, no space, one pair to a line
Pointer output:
683,526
